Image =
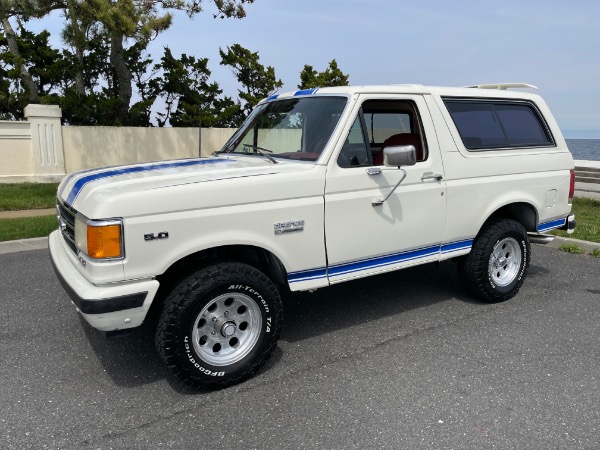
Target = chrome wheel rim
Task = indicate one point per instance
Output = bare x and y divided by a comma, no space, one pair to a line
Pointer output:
227,329
505,262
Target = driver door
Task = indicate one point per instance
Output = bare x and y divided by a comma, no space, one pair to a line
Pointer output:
407,229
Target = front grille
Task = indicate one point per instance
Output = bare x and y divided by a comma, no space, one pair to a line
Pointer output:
67,224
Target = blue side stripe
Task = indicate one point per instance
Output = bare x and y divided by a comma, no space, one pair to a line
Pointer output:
273,97
380,261
303,275
82,182
458,245
546,226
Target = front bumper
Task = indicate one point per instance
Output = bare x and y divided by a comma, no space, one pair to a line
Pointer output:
107,307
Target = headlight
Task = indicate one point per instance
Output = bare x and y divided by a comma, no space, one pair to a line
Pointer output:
99,239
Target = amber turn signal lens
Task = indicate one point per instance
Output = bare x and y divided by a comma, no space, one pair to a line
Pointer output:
104,241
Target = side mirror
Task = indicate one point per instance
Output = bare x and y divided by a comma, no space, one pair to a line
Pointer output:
401,155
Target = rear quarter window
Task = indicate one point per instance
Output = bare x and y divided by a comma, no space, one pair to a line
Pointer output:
497,124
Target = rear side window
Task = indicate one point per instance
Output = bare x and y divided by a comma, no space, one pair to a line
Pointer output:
491,124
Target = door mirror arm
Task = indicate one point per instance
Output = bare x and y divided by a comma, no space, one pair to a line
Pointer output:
380,201
401,155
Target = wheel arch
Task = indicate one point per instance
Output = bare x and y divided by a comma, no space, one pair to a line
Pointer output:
254,256
522,212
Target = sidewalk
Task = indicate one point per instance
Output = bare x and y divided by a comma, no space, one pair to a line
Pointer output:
23,245
27,213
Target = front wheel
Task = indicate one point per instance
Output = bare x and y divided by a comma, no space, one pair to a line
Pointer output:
497,265
219,325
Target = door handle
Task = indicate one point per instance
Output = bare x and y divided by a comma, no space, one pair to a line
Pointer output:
373,171
435,177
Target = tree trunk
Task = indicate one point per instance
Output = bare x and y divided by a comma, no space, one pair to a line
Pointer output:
79,83
78,43
124,77
24,75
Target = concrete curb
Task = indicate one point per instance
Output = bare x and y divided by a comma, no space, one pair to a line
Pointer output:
586,246
591,194
23,245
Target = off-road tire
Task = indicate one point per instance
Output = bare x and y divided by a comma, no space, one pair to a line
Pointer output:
482,271
216,301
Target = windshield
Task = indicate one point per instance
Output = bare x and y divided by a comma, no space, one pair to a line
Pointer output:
294,128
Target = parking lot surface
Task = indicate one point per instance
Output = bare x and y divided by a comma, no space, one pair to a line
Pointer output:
402,360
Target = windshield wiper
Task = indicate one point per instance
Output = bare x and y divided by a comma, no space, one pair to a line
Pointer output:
261,151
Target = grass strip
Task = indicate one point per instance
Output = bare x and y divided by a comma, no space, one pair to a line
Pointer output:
27,227
572,248
20,196
587,216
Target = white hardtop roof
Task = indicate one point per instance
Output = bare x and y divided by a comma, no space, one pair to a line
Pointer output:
479,90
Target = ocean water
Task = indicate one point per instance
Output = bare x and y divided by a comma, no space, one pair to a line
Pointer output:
588,149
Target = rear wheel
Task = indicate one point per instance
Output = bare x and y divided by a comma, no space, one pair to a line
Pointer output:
219,325
497,265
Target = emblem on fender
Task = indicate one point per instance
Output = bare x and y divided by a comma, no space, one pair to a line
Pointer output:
154,237
289,227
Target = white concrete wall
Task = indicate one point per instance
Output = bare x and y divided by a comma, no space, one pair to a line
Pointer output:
16,158
89,147
41,150
46,141
212,139
31,151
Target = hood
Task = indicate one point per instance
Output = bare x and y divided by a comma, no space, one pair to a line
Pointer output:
85,189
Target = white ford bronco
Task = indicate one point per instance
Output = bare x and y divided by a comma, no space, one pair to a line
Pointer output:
317,187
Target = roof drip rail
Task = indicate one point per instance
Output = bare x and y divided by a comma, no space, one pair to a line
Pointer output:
503,86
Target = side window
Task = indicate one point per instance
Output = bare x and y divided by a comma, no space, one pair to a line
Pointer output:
354,152
522,125
393,123
493,124
383,125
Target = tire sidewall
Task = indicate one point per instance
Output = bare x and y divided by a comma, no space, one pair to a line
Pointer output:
204,371
523,243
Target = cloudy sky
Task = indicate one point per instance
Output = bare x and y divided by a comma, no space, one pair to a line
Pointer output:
554,45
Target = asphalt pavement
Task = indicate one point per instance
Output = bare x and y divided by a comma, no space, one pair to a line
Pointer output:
402,360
